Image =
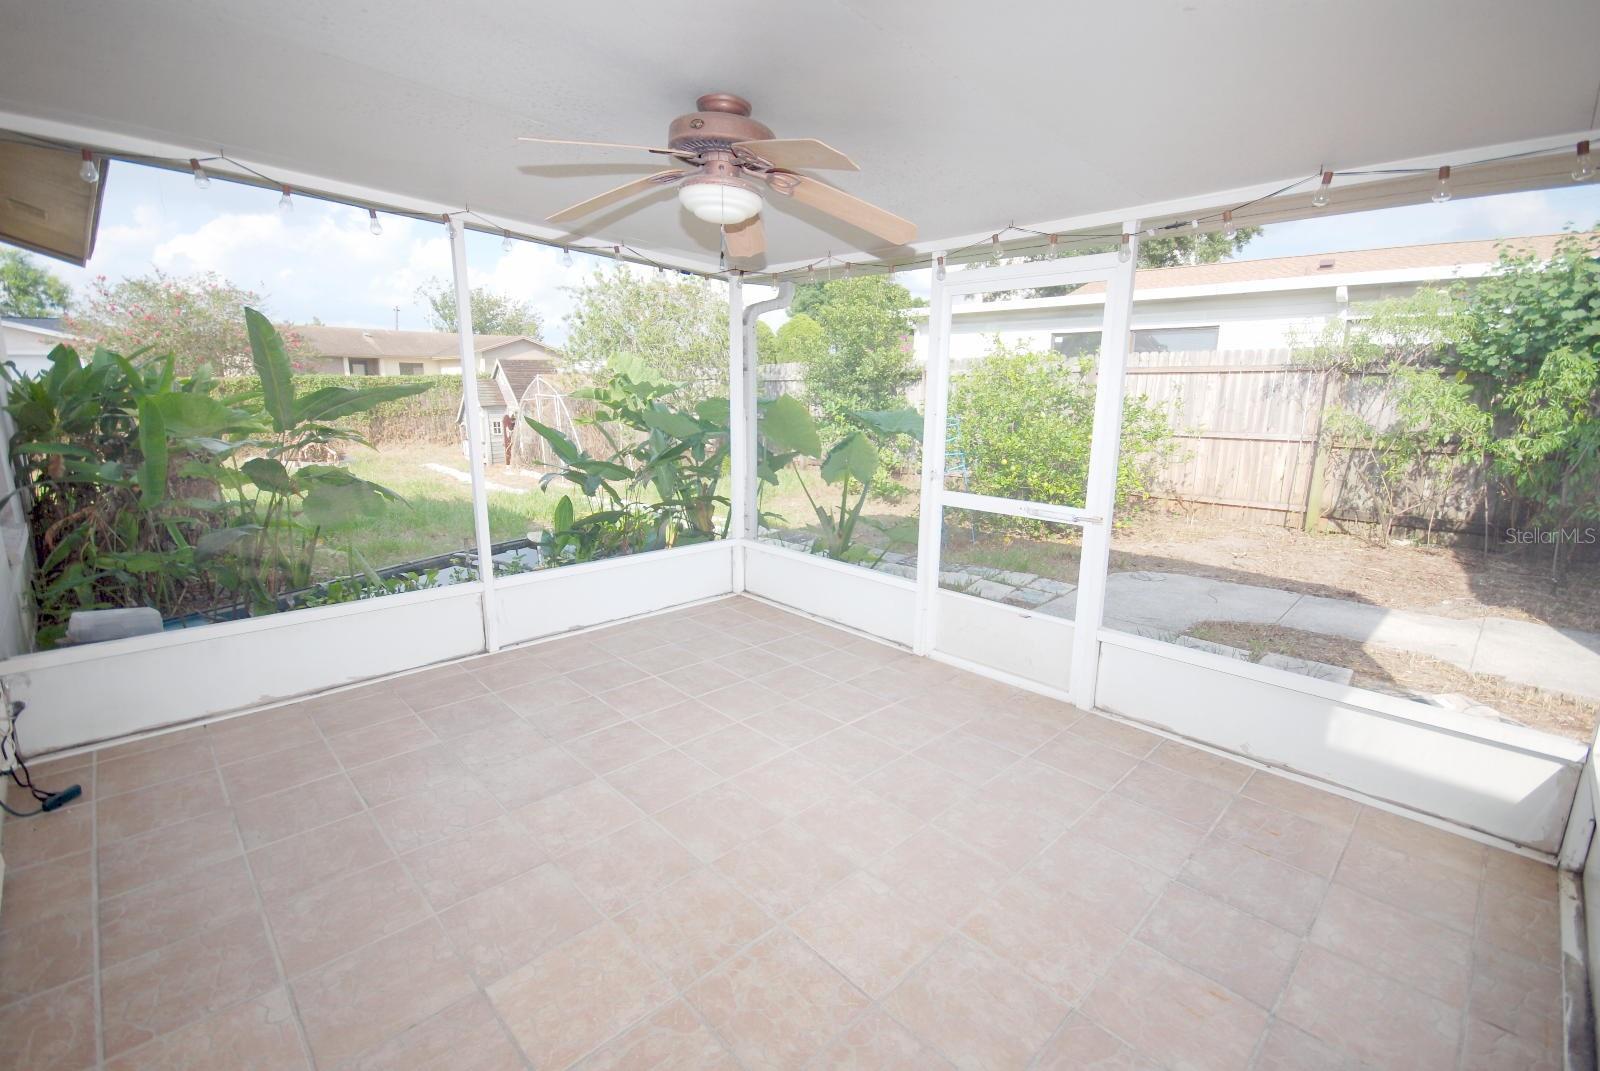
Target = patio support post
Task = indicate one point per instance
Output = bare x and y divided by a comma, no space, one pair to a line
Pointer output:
472,417
741,442
930,522
1100,496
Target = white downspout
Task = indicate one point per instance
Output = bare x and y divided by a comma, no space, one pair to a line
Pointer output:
473,415
750,429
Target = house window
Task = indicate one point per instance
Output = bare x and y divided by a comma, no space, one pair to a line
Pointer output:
495,427
1076,343
408,368
1167,339
363,366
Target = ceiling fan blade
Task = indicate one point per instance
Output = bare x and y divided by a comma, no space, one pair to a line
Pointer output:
840,205
609,145
746,240
611,197
791,153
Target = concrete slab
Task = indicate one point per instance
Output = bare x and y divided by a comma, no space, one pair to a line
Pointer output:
1449,639
990,589
1304,666
1213,648
1055,587
1062,606
1176,602
1028,597
1556,659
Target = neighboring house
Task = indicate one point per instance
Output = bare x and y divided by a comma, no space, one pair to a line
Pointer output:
26,341
375,351
504,395
1231,305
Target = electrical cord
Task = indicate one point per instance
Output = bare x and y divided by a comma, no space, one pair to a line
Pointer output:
17,769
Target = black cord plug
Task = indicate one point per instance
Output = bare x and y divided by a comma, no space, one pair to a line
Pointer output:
62,798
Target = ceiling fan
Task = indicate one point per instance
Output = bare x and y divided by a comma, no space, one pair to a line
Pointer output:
724,158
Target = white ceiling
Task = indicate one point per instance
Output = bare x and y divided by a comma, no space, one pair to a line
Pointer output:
963,117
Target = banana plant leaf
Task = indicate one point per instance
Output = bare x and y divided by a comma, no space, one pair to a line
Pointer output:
272,365
153,445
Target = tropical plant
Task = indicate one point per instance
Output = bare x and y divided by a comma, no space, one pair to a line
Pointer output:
789,433
657,485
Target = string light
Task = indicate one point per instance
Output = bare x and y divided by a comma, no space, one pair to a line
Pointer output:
1441,189
1194,224
201,179
373,224
940,273
286,202
1321,199
1585,169
994,248
566,257
1050,248
89,171
1229,231
1124,250
505,241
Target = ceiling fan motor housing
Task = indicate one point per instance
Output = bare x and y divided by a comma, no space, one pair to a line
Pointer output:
722,119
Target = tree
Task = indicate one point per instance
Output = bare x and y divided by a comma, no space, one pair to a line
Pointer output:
676,324
198,319
29,290
854,338
492,313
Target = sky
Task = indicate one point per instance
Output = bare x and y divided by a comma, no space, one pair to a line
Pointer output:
321,261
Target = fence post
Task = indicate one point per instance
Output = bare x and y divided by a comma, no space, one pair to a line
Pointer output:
1314,484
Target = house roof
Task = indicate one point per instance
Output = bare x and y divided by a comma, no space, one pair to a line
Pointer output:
520,372
405,345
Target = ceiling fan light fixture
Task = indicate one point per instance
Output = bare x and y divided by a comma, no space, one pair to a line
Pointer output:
719,201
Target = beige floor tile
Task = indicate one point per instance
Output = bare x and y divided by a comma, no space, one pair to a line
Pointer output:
338,917
1081,1045
1147,836
784,869
54,1031
578,816
1517,872
260,1034
1488,1048
1057,940
469,862
1367,1016
875,1042
692,926
793,681
1176,1015
789,783
508,669
379,741
1214,770
662,780
1235,874
843,701
1517,995
49,888
909,724
1005,832
288,867
266,774
497,743
668,657
684,721
1335,812
503,927
433,767
417,821
869,933
432,688
48,836
975,1008
742,700
466,1036
642,696
792,724
969,757
777,1003
917,785
1018,733
618,871
1441,893
714,822
149,995
937,872
1251,957
261,733
296,810
1086,760
1421,841
1288,1048
167,911
858,824
1427,956
1121,889
185,757
1174,795
673,1038
700,678
357,1003
1116,735
357,708
144,809
525,778
472,714
615,746
1286,837
574,715
850,753
169,852
40,955
567,1002
732,750
1520,923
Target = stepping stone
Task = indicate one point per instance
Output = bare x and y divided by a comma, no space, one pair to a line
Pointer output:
1061,606
1027,597
1320,670
988,589
1055,587
1213,648
897,569
1016,580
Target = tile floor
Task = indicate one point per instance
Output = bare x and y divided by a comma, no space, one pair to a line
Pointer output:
732,838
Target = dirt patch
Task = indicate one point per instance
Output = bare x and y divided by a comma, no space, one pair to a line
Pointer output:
1410,675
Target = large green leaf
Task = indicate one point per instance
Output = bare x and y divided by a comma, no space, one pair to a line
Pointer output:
195,415
853,455
673,425
564,447
561,518
269,474
335,503
892,421
272,365
786,423
714,411
330,403
153,445
216,543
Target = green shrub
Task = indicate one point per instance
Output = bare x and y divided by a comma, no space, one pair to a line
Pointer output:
1021,423
429,417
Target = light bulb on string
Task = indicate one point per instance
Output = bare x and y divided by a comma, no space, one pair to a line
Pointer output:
1441,189
1194,224
1050,246
1124,250
566,257
286,202
1585,169
939,273
994,248
1229,231
201,179
373,223
89,171
1321,198
505,241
